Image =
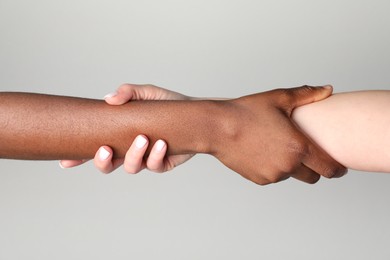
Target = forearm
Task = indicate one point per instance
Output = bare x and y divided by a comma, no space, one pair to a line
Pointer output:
44,127
354,128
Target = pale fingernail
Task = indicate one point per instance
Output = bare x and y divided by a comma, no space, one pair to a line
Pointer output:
160,144
103,154
140,142
110,95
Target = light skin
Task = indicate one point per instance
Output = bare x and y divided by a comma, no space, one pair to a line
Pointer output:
135,159
354,128
252,135
351,127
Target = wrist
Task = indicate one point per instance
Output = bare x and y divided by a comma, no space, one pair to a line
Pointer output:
222,125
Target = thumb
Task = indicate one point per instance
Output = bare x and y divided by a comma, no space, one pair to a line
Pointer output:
308,94
125,93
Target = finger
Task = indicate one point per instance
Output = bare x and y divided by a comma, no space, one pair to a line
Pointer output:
307,94
306,174
124,94
103,160
175,160
71,163
148,92
134,162
117,162
128,92
322,163
155,161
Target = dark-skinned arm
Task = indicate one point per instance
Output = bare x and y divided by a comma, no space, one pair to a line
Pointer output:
253,135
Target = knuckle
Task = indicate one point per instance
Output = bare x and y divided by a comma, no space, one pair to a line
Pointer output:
135,154
334,171
131,169
306,88
288,96
342,171
303,90
329,172
100,166
154,167
260,182
258,179
106,171
103,167
289,165
272,178
289,168
298,147
156,170
154,164
275,178
285,95
313,180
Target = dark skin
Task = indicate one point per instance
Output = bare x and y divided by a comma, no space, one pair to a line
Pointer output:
252,135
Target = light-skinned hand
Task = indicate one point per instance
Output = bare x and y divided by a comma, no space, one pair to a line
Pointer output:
135,160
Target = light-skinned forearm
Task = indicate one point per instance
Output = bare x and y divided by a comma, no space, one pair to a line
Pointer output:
354,128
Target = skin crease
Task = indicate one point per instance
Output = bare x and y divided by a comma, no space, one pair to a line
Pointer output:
233,131
337,124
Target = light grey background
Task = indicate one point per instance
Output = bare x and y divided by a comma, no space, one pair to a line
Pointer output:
201,210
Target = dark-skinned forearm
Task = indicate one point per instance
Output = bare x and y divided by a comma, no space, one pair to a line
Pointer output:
46,127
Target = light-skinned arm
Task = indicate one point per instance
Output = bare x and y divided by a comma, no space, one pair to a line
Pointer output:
354,128
252,135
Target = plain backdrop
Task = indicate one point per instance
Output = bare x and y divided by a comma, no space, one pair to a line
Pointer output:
201,210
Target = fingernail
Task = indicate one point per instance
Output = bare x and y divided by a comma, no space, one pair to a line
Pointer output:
103,154
110,95
160,144
140,142
328,86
